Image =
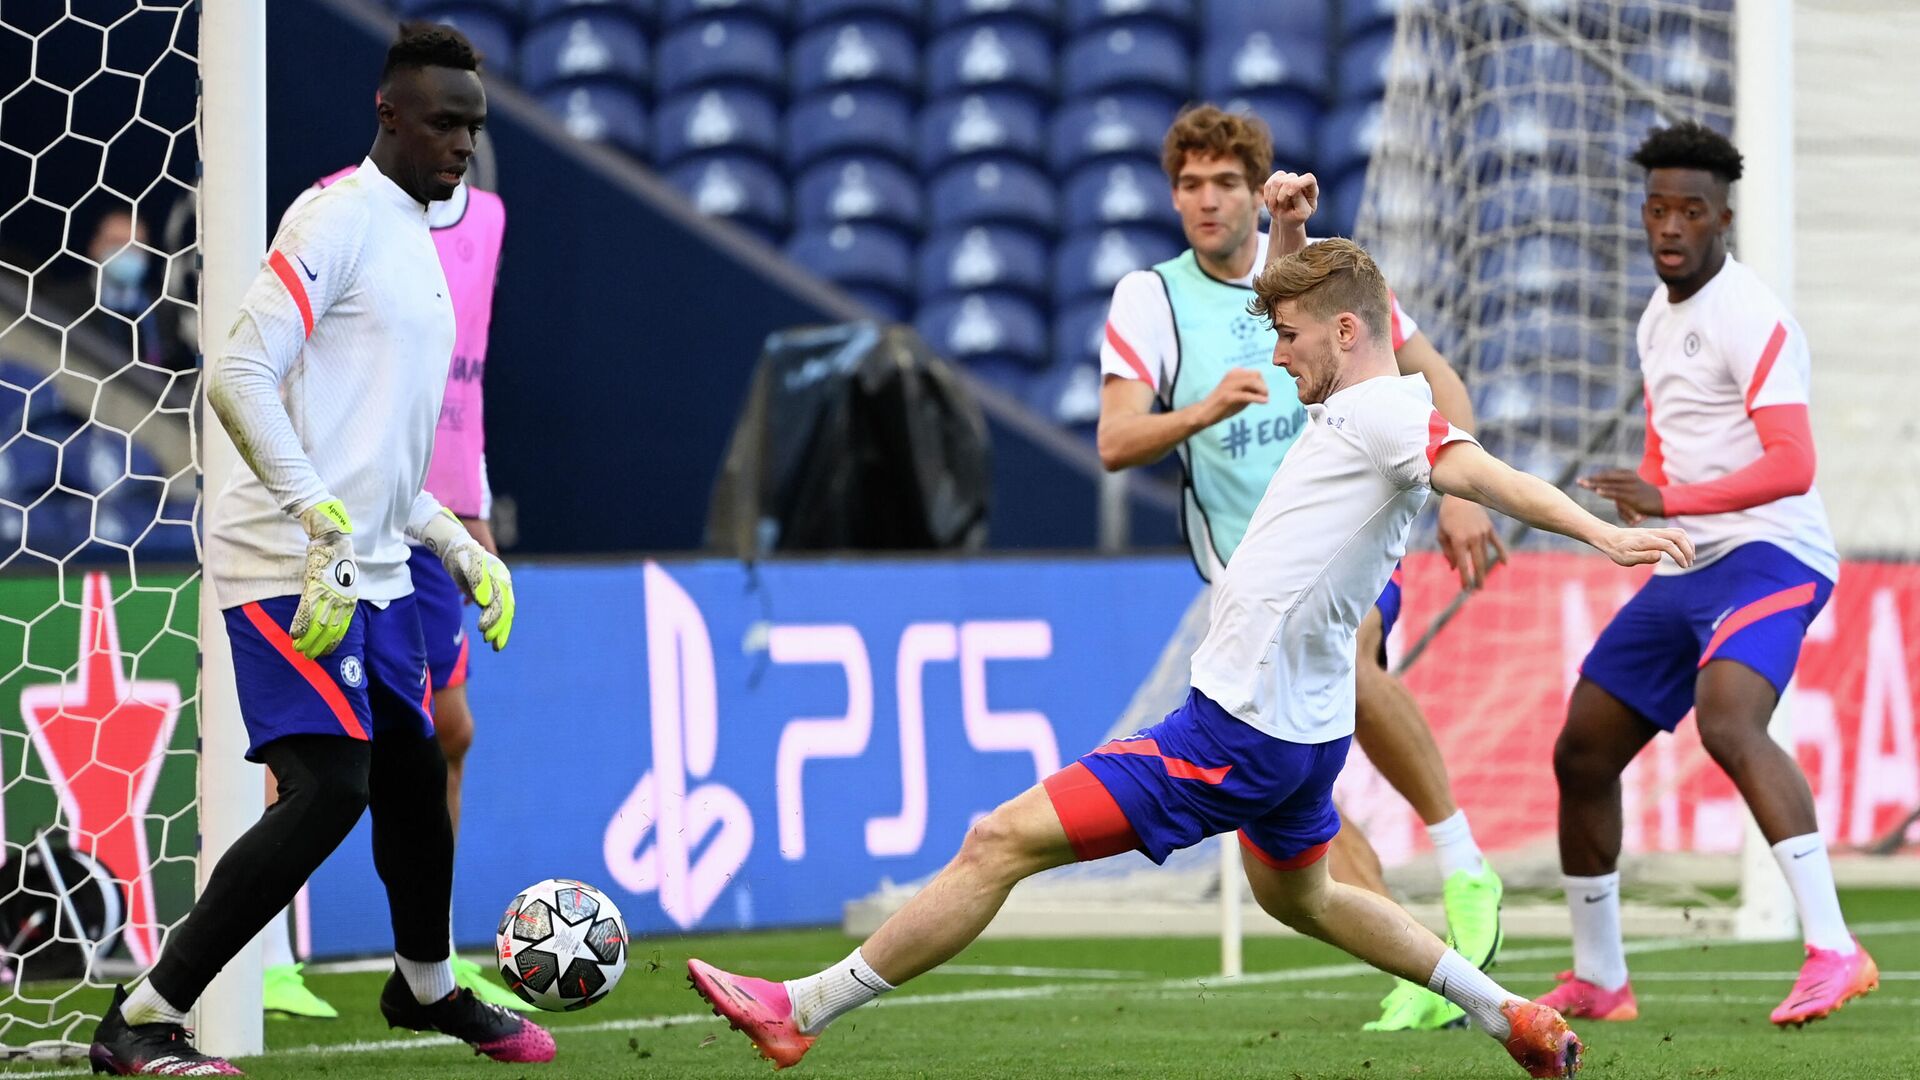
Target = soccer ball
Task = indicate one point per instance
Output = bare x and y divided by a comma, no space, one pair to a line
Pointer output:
562,945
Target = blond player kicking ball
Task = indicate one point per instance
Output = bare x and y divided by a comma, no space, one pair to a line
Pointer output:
1729,454
1266,726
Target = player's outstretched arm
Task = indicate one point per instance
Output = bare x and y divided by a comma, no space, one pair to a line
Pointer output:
1131,433
1466,470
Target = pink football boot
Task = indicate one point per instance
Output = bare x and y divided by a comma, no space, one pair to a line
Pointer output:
756,1008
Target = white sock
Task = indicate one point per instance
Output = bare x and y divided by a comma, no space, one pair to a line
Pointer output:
276,944
144,1005
1599,956
1456,979
430,980
1803,859
1453,843
819,1000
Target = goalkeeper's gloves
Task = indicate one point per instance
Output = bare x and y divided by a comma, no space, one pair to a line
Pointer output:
332,585
480,573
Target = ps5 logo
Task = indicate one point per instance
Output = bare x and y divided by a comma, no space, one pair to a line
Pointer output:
651,843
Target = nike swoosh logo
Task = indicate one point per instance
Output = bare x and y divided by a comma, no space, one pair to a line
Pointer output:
862,982
311,276
1596,899
1804,854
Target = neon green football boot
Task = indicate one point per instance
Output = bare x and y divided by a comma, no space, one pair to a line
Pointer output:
1415,1008
1472,903
470,975
284,993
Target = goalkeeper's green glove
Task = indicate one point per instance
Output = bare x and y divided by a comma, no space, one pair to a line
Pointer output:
479,573
332,586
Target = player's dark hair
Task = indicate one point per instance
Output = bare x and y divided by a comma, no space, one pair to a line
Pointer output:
424,45
1689,144
1211,131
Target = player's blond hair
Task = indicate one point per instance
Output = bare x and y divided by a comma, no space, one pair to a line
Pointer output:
1211,131
1326,279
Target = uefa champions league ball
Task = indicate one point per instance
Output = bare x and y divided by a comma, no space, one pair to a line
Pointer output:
562,945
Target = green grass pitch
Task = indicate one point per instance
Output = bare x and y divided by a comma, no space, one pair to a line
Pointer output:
1148,1008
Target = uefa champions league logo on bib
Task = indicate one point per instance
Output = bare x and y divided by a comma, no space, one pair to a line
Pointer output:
352,672
1691,344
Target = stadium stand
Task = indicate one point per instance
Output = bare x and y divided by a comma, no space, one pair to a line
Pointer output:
870,139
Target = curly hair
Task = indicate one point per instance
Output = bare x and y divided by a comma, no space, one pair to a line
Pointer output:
425,44
1689,145
1214,132
1326,278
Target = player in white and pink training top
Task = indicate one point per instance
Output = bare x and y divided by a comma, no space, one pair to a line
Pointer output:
467,231
1729,455
1265,729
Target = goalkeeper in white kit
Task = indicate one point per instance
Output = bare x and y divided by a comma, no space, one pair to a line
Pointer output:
330,386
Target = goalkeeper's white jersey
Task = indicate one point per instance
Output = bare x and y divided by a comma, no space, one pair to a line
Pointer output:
349,329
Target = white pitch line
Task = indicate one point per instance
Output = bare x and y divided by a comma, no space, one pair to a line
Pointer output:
1022,972
1150,988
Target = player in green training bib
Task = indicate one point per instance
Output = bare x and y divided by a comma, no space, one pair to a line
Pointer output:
1187,369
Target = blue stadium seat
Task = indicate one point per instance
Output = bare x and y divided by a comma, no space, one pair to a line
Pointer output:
1364,67
1359,17
811,13
58,527
996,124
1311,20
1088,264
1340,204
863,52
607,114
1120,125
985,328
716,120
743,190
1554,269
169,537
1262,63
992,191
1069,395
850,122
983,257
1043,14
1078,330
772,13
490,27
1002,55
1347,138
22,398
1294,120
1120,191
642,12
94,459
1541,199
1085,15
593,45
28,467
1144,58
870,190
712,51
863,257
1691,59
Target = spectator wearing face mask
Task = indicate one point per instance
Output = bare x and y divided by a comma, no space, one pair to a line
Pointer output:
118,298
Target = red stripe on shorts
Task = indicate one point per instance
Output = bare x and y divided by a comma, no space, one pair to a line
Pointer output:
1299,862
1772,604
1185,770
315,675
1096,826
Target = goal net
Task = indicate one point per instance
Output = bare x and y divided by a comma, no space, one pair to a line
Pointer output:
99,581
1502,203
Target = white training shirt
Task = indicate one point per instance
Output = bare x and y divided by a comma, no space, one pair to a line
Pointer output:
333,376
1140,341
1322,543
1709,362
